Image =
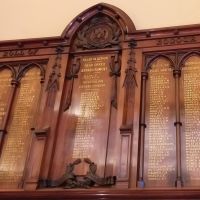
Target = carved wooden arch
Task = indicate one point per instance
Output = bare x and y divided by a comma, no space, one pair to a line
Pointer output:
152,60
7,66
28,67
187,56
117,15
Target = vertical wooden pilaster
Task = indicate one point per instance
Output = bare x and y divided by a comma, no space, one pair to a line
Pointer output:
140,182
126,129
178,124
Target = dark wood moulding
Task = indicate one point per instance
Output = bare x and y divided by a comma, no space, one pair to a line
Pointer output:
103,194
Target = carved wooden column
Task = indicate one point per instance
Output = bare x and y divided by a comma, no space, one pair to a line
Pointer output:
141,182
49,116
178,124
3,131
126,130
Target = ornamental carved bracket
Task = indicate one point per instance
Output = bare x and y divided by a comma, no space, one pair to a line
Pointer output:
100,32
70,180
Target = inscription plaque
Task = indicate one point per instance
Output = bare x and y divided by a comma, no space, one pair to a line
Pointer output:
17,140
191,121
92,110
159,166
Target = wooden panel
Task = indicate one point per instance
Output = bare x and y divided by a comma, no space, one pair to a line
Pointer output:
190,87
160,141
86,123
91,106
94,105
124,157
96,120
17,141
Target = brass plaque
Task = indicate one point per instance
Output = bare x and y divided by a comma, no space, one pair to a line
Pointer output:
160,141
190,82
15,149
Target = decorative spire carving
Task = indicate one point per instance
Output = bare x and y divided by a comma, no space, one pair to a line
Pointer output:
73,73
130,79
115,67
53,82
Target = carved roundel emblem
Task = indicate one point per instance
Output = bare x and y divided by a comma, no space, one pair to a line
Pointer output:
100,32
99,35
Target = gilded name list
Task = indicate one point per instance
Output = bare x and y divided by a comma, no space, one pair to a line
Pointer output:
191,120
93,88
17,141
159,134
5,84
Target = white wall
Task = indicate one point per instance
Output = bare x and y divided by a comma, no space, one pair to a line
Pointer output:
20,19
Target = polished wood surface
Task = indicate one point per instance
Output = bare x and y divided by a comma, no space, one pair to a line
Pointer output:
127,100
103,194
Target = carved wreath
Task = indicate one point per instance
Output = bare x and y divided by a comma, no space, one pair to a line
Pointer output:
71,180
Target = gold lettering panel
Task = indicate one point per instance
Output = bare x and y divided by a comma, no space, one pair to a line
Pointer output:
17,140
159,166
190,82
91,106
5,84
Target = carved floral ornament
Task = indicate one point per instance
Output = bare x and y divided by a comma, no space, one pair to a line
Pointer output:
99,32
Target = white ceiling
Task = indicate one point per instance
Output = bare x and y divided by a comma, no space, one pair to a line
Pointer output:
20,19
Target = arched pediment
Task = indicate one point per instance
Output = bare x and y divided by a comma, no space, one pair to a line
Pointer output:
99,26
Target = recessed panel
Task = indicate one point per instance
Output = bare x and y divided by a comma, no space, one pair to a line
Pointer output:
90,109
5,85
160,141
190,96
17,141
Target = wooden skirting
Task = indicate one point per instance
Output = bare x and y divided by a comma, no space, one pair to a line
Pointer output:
101,194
